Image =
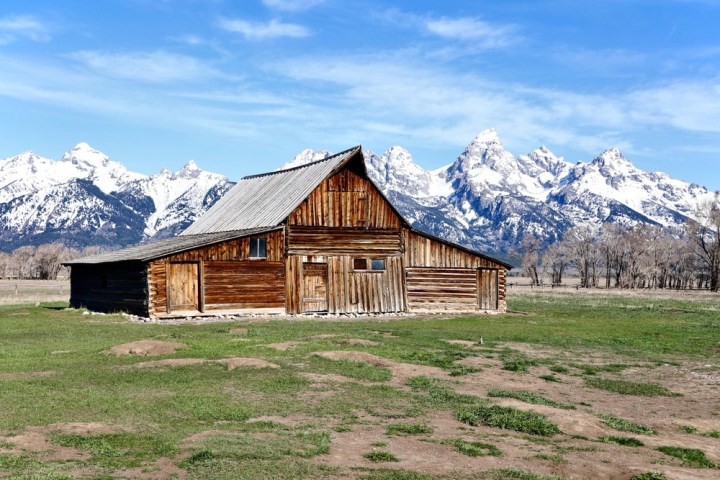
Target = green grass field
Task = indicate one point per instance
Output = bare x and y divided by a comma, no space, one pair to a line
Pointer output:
204,420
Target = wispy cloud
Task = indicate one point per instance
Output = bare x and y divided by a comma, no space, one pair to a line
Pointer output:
263,31
13,27
472,28
156,67
291,5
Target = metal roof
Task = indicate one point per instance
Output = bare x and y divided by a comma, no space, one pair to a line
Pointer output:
168,246
265,200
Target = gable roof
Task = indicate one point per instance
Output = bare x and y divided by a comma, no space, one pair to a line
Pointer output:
168,246
265,200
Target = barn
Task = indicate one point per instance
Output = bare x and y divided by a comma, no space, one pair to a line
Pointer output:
316,238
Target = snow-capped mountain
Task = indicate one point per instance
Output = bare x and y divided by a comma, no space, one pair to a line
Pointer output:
487,198
87,199
490,199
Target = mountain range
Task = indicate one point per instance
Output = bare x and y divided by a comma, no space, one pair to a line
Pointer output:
487,198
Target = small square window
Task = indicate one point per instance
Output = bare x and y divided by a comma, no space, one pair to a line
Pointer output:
378,264
258,247
360,264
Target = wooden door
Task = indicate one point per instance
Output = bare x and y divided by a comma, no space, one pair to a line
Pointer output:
183,286
487,289
314,289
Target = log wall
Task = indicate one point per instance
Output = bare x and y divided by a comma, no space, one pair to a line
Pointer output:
345,200
422,251
229,279
110,287
442,288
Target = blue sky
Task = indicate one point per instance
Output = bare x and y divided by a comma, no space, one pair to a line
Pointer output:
242,86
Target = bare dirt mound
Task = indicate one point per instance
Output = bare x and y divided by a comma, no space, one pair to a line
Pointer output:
359,341
401,372
232,363
282,346
25,375
36,439
145,348
240,362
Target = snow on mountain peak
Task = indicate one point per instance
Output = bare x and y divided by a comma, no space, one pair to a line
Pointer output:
84,154
306,156
612,158
487,136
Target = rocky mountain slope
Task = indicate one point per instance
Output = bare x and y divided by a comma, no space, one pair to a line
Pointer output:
487,198
87,199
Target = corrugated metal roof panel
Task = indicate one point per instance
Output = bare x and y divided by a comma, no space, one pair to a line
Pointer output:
267,199
168,246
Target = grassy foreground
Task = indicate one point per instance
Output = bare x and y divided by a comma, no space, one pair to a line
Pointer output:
201,420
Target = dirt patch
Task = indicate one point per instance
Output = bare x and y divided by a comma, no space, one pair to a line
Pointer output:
36,439
145,348
25,375
324,336
170,362
384,334
282,346
359,341
462,343
240,362
325,378
239,331
232,363
401,372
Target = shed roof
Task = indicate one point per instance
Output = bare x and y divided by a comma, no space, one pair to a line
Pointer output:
265,200
168,246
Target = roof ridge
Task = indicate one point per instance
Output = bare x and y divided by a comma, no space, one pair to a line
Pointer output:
357,147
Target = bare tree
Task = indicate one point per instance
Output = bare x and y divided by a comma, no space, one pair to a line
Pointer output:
47,260
704,234
21,261
579,241
530,260
555,260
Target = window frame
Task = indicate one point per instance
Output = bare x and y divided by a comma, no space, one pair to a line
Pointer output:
369,265
259,241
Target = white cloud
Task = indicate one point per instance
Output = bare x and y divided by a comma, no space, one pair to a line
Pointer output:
291,5
262,31
14,26
470,28
156,67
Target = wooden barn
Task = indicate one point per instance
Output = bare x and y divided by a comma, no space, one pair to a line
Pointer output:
316,238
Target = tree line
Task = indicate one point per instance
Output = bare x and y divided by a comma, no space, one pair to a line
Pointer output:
43,262
633,256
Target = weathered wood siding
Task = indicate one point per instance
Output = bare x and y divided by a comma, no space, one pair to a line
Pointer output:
435,278
303,240
251,284
421,251
345,200
348,291
442,288
110,287
488,289
228,278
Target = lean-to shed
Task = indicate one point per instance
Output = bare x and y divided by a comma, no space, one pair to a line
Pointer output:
316,238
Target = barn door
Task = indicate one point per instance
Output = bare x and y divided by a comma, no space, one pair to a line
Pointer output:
487,289
314,287
183,286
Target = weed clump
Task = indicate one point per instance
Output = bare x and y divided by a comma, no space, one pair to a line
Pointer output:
625,441
529,397
508,418
409,429
381,456
625,425
624,387
691,457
